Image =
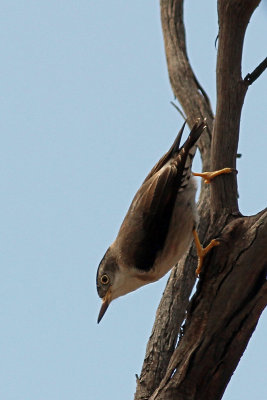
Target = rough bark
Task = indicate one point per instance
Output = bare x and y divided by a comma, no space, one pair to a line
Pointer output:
195,359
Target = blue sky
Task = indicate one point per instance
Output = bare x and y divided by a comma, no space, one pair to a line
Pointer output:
85,113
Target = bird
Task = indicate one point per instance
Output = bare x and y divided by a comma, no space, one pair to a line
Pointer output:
159,225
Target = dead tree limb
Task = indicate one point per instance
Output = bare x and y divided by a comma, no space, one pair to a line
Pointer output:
250,78
232,291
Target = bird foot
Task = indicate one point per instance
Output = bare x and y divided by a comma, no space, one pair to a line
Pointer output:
208,176
202,251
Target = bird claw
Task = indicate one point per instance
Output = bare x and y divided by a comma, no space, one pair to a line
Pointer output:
208,176
202,252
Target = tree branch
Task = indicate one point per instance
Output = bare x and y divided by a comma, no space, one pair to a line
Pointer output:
222,316
185,85
232,291
234,16
171,311
250,78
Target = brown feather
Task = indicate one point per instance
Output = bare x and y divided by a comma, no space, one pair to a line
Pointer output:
145,227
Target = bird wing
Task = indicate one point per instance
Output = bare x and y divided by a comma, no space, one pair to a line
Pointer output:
145,227
167,156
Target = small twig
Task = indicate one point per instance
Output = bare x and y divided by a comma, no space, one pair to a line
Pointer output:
250,78
216,40
179,110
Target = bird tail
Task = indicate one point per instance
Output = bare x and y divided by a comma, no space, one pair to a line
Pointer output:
187,152
193,137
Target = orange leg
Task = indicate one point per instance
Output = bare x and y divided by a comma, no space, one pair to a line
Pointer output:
208,176
202,251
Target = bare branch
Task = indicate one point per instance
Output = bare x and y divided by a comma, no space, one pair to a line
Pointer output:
222,316
234,16
171,311
232,291
250,78
185,85
179,110
169,318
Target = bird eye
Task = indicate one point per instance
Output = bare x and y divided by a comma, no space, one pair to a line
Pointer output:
104,279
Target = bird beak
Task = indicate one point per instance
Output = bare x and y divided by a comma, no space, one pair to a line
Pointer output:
106,302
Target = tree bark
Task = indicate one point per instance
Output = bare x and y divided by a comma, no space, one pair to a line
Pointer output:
196,345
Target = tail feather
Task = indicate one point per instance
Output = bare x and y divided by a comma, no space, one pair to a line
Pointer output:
187,153
194,135
174,149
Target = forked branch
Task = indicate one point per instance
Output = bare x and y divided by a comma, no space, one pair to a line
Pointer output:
232,291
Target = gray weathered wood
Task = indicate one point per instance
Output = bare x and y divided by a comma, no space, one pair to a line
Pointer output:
232,290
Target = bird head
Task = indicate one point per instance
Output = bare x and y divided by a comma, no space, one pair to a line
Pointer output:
105,279
115,279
